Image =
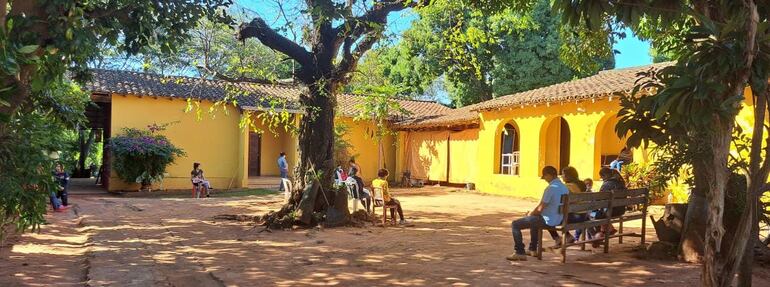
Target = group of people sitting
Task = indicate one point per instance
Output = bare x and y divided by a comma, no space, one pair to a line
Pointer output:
547,214
352,178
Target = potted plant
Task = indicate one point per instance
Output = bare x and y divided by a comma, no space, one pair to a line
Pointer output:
142,156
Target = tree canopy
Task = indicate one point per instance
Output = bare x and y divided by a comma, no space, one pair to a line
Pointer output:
481,54
43,43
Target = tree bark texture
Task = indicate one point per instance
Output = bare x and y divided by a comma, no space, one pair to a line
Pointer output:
694,230
716,175
85,149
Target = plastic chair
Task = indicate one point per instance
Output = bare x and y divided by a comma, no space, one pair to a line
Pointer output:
379,201
352,186
287,188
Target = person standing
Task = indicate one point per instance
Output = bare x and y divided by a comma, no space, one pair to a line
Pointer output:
545,214
283,166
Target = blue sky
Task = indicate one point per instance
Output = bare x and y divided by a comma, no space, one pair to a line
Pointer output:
633,52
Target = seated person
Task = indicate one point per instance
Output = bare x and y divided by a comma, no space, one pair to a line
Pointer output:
355,172
339,175
546,214
589,184
360,194
624,157
574,185
63,179
200,184
612,181
382,183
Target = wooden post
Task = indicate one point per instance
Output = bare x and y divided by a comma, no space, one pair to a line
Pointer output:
620,238
540,245
644,214
607,217
564,231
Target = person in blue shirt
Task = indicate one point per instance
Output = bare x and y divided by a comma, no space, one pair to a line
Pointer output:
284,167
545,214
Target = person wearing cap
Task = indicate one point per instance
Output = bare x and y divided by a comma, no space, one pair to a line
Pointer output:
545,214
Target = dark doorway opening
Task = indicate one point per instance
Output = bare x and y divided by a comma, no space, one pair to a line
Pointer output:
255,154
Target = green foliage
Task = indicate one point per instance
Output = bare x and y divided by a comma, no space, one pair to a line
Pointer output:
640,175
25,166
210,51
142,155
342,145
482,54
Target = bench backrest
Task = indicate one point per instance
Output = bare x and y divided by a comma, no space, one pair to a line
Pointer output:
634,197
585,202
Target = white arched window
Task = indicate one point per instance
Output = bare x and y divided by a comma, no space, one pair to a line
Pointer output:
509,150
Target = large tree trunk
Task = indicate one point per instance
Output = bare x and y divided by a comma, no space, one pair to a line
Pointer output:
717,176
694,230
316,155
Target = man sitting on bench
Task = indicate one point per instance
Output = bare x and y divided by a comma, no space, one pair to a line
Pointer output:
545,214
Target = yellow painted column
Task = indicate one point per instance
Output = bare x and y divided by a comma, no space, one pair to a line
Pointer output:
243,156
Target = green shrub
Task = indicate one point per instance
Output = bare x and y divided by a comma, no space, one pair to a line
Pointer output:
142,156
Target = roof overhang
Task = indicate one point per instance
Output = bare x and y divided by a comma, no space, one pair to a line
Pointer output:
264,109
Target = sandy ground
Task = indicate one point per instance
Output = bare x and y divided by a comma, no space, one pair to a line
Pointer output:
458,239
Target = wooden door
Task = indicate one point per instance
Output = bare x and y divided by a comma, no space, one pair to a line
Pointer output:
255,153
564,145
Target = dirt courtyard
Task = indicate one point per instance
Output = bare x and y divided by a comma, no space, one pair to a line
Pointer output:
458,239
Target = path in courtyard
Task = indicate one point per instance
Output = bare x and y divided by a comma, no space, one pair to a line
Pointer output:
458,239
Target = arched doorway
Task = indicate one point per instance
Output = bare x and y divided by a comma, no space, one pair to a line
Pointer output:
508,152
607,144
555,143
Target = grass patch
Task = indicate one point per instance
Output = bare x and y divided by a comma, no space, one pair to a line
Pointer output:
188,193
244,192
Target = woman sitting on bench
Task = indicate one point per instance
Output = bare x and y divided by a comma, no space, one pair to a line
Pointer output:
613,181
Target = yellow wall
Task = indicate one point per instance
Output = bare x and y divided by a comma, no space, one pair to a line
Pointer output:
538,144
215,142
537,147
364,149
463,148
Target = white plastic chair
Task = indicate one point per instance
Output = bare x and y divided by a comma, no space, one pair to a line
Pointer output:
287,188
352,186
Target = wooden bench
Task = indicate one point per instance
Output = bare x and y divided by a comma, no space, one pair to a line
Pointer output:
591,201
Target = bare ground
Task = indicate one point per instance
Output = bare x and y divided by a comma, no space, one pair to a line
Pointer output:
458,239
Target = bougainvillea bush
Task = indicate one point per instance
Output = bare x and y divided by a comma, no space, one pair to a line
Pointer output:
142,155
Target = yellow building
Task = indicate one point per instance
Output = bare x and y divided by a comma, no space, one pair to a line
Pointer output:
211,134
501,145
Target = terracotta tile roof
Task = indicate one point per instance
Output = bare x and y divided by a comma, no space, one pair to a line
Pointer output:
348,105
455,117
154,85
601,85
247,95
598,86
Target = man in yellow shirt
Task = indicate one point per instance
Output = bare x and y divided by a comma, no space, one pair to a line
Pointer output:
382,183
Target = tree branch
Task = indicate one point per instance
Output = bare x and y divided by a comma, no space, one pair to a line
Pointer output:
358,26
350,60
257,28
